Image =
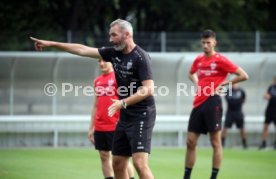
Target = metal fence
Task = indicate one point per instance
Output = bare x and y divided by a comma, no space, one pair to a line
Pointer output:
155,41
187,41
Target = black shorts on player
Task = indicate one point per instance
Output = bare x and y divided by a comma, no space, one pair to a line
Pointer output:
270,116
207,116
234,118
103,140
133,132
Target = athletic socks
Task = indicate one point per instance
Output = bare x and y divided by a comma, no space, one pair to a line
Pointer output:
244,143
187,173
263,145
214,173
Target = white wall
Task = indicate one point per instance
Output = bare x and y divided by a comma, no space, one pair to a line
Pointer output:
23,76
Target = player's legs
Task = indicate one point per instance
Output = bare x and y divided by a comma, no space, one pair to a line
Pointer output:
217,152
107,169
106,162
243,137
133,138
240,125
120,164
223,135
268,120
191,149
213,118
103,143
130,170
264,136
217,148
140,161
274,121
196,126
140,136
227,125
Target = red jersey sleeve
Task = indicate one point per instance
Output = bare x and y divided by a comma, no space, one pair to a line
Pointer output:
194,65
227,65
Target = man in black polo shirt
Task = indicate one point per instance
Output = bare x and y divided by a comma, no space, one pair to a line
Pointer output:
235,98
270,113
133,73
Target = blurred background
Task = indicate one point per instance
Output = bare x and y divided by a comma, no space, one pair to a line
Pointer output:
168,30
159,25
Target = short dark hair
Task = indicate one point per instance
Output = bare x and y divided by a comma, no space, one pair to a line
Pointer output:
208,33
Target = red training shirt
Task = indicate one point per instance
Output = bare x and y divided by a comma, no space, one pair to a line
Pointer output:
106,89
211,72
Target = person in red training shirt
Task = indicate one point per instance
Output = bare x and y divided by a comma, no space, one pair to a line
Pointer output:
209,72
102,126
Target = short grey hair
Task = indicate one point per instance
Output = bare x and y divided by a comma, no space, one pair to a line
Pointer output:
123,24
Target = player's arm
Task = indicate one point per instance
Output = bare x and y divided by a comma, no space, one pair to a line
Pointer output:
146,90
193,72
92,121
267,96
77,49
241,75
193,77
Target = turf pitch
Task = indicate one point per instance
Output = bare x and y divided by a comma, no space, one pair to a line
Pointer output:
166,163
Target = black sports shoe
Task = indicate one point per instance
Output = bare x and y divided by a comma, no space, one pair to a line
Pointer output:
244,144
262,146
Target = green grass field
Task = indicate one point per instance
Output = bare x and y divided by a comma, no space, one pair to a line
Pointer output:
166,163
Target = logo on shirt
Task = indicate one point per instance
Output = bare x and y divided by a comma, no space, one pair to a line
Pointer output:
129,65
110,82
213,65
116,58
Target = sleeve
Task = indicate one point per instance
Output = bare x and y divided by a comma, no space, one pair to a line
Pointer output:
106,53
227,65
194,66
144,68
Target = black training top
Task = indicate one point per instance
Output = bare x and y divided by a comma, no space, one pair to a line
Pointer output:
235,99
130,70
272,101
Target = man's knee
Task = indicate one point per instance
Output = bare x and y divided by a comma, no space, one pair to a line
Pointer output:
191,143
118,164
140,162
216,143
105,156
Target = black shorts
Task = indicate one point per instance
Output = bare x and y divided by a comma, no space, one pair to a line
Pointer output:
206,117
103,140
270,116
234,117
134,131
